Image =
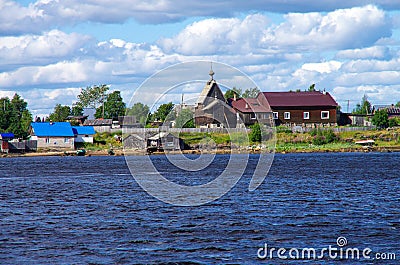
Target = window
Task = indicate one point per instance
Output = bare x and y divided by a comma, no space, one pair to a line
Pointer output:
47,140
275,115
252,116
286,115
324,115
306,115
66,140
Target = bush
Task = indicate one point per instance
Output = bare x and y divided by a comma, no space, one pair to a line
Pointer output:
381,119
321,137
394,122
283,129
255,134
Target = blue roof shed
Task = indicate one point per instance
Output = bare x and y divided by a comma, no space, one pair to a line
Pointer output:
83,130
7,136
52,129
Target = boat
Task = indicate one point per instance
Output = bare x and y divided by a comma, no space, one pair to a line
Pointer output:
365,142
81,152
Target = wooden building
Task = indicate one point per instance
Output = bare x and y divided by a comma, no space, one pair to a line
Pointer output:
164,141
52,135
305,109
134,141
250,111
392,110
100,125
211,109
129,122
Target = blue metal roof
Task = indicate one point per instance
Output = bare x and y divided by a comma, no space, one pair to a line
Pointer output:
44,129
83,130
7,135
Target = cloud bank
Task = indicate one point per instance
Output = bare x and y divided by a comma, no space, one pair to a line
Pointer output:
344,49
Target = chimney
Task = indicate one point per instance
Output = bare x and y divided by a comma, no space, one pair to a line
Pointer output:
247,106
234,96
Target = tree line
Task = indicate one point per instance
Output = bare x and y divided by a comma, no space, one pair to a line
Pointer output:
380,117
111,106
15,116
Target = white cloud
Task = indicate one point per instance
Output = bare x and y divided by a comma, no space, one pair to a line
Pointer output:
345,51
325,67
376,52
42,49
213,36
39,16
341,29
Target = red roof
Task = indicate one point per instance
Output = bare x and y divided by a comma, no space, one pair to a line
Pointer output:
246,105
300,99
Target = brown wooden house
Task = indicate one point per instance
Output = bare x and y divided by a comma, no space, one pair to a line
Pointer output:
306,109
212,109
250,111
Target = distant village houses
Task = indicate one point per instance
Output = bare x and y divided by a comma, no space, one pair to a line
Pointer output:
60,135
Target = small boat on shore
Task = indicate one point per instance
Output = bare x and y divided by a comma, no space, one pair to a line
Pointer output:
365,142
81,152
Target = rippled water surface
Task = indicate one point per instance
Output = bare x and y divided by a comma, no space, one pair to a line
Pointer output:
90,210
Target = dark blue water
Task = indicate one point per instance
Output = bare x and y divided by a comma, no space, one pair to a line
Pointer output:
90,210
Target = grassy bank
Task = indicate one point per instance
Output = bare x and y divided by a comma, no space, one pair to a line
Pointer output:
286,141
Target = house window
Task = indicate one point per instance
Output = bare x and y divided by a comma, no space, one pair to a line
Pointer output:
275,115
252,116
286,115
47,140
306,115
66,140
324,115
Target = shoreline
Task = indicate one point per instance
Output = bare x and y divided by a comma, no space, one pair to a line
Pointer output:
117,152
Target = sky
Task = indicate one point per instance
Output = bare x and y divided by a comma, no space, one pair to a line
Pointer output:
51,49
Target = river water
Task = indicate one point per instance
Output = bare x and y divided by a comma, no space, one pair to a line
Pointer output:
90,210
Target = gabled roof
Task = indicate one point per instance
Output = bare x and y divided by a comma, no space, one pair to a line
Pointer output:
248,105
83,130
48,129
127,120
161,135
300,99
98,122
208,90
391,109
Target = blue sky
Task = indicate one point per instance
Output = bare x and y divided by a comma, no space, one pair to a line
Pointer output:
50,49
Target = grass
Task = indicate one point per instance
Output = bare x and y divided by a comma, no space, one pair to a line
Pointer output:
286,141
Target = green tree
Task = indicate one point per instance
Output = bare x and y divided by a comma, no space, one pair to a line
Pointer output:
20,117
92,96
255,133
60,113
230,93
398,104
185,119
140,111
364,107
164,111
5,111
251,92
381,118
114,106
394,122
311,88
77,110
